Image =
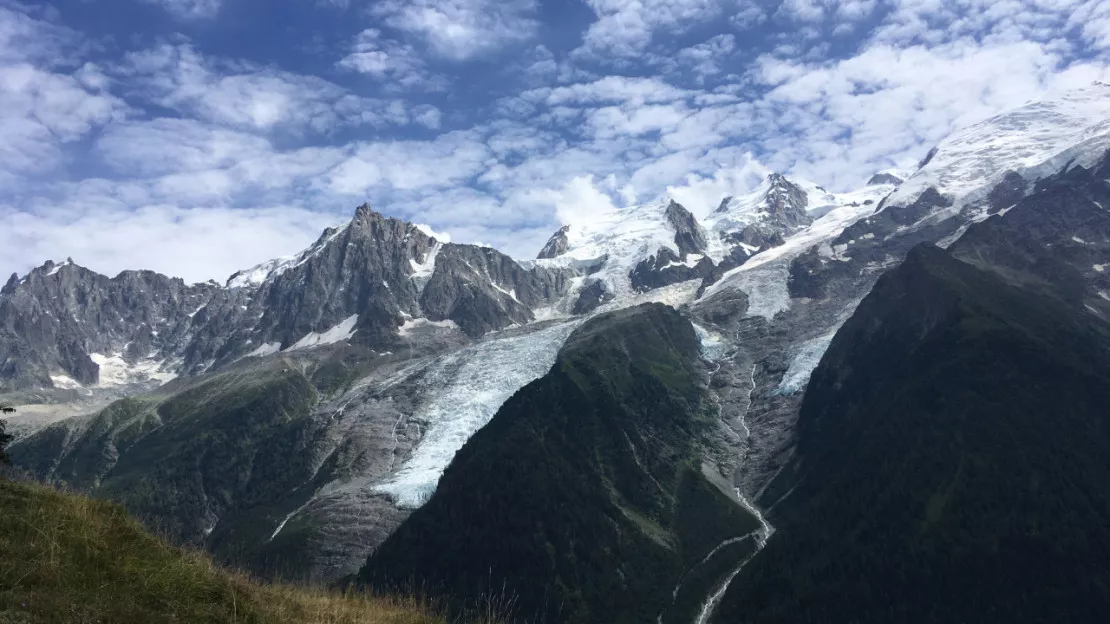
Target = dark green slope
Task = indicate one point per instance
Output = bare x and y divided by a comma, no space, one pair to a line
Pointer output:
214,462
584,499
953,461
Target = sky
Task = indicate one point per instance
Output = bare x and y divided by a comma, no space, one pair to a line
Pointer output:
198,137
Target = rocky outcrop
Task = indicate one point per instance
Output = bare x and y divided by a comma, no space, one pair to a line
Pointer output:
786,203
689,236
592,296
1006,193
556,245
482,289
359,282
666,268
884,178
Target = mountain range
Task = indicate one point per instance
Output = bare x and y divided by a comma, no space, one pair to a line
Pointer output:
752,400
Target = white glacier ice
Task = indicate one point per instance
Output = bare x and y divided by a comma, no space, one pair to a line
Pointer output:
65,382
1035,140
415,324
466,388
620,238
423,271
804,362
713,346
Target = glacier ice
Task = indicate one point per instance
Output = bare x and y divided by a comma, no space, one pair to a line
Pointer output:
468,387
713,346
1034,140
803,363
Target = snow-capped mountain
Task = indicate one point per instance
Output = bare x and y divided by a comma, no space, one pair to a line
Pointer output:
408,345
362,282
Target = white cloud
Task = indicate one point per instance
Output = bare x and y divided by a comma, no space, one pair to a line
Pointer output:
706,59
448,160
189,9
834,121
400,65
43,112
195,243
634,91
461,29
625,28
242,95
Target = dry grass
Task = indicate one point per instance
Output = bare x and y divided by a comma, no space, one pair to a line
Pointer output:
66,558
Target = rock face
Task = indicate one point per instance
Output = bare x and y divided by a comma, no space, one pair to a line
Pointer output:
482,289
667,267
902,418
1008,192
884,178
357,283
583,480
52,320
556,245
689,236
786,203
591,297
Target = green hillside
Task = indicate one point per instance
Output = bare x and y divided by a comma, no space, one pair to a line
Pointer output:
952,462
585,499
66,558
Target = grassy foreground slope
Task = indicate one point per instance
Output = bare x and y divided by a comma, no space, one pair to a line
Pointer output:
66,558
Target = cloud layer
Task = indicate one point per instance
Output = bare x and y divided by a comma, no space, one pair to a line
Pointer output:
493,121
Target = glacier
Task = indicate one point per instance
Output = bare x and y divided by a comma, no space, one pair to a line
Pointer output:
804,362
465,390
1034,140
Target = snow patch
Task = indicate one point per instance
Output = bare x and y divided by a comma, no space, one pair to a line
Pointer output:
423,271
268,348
257,275
415,324
115,371
65,382
340,333
617,239
58,267
466,389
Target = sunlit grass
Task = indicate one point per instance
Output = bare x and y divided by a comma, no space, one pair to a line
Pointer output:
68,558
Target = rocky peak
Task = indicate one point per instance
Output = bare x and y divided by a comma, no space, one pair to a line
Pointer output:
689,236
787,202
556,245
884,178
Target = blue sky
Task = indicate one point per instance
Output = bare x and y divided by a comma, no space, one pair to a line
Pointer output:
196,137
